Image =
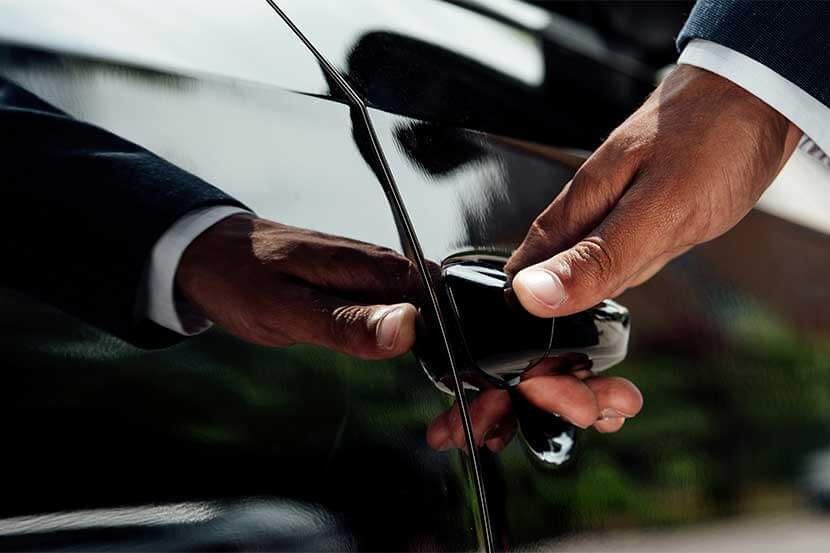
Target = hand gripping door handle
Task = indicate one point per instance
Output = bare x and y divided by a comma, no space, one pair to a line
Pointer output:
502,344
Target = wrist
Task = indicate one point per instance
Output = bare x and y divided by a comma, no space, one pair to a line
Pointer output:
207,259
766,122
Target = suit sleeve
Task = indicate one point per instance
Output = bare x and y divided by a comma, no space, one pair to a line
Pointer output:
84,209
790,38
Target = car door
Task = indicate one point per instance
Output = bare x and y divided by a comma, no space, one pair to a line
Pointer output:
214,443
475,107
480,116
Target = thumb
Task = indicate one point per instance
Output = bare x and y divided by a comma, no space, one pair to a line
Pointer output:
372,331
636,231
547,289
571,281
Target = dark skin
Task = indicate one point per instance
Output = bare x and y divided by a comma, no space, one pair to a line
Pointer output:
682,170
278,285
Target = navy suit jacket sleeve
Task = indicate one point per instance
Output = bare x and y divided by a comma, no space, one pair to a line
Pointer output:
82,210
791,38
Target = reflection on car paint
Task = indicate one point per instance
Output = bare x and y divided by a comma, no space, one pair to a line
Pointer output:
730,347
728,309
429,59
307,425
501,345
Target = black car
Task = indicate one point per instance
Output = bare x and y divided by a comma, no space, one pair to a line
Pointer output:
439,130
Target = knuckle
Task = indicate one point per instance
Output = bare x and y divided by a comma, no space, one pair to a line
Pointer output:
393,275
409,275
538,234
634,147
595,261
349,328
593,178
592,196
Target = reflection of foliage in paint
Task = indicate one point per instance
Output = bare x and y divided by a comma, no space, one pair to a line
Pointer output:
306,423
722,434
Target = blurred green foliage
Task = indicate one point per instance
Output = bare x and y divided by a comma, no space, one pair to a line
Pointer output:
723,431
301,423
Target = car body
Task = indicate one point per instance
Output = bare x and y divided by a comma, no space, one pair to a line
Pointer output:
435,129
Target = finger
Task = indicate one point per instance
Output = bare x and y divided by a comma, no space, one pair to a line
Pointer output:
581,206
582,276
607,426
298,314
457,435
346,267
616,397
492,422
372,331
438,432
564,395
618,400
503,436
490,411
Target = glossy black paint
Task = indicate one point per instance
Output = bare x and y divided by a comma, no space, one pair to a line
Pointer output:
500,339
549,439
696,339
729,344
644,30
241,130
428,60
215,421
502,343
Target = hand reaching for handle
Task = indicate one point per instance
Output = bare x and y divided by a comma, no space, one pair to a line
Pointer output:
682,170
278,285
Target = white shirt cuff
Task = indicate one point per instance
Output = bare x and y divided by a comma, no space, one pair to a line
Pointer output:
163,307
810,115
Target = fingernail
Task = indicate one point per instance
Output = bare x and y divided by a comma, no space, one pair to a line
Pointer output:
583,427
544,286
609,413
389,328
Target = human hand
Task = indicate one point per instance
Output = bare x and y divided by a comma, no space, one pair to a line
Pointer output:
604,402
682,170
278,285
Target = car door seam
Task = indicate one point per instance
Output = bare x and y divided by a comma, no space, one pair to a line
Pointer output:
396,202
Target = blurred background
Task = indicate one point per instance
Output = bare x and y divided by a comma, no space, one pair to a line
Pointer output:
730,343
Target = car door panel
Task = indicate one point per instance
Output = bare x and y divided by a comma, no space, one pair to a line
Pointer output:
219,444
731,324
428,59
723,326
215,443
